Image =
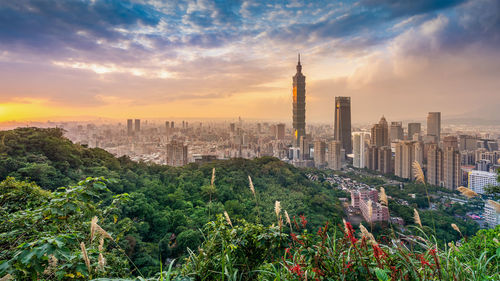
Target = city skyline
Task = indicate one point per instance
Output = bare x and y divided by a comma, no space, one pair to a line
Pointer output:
221,60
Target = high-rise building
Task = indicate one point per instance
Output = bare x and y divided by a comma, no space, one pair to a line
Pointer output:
450,141
403,161
280,132
434,125
396,132
451,168
380,133
478,180
137,125
467,142
305,149
359,148
319,153
372,157
176,154
172,125
299,104
413,128
130,130
385,160
342,126
232,127
434,165
334,156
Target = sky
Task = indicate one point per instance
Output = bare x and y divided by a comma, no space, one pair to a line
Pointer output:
223,59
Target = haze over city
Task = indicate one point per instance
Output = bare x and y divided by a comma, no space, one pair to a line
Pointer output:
78,60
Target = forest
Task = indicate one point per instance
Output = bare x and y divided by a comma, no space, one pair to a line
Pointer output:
72,212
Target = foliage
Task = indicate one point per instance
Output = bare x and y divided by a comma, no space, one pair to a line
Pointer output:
42,231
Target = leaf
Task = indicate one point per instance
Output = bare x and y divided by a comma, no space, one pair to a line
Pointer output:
381,274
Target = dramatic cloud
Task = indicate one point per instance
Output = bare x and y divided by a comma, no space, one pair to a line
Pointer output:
226,58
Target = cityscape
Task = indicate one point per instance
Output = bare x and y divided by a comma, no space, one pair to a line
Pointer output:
249,140
457,156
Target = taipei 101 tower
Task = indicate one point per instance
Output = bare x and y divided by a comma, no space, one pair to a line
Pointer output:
299,105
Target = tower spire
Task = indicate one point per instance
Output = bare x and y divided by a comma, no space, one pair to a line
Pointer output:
299,58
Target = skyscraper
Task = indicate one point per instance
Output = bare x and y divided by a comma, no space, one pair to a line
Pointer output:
280,131
380,133
130,130
137,125
434,165
396,132
385,160
342,126
403,162
434,125
451,168
359,148
413,128
334,160
319,153
299,105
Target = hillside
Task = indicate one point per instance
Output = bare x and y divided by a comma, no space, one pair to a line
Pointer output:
164,205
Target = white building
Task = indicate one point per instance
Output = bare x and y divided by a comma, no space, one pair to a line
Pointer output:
491,215
478,180
359,149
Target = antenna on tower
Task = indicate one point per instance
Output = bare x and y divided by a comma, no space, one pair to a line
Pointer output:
299,58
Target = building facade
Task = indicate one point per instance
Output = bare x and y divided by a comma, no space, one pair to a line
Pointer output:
342,126
434,125
479,180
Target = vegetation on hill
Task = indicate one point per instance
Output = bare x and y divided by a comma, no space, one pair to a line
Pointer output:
70,234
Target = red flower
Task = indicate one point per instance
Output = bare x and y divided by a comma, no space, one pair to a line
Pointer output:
303,221
423,261
297,270
378,252
350,233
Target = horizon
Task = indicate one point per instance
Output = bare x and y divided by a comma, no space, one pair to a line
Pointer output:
207,60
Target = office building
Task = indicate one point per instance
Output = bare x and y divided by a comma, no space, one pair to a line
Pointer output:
372,157
280,132
305,147
137,125
334,155
434,125
396,131
299,105
342,126
479,180
319,153
385,160
451,168
130,130
414,128
467,142
434,165
450,141
380,133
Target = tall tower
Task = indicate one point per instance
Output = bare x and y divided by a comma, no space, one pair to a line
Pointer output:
299,105
434,125
342,126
